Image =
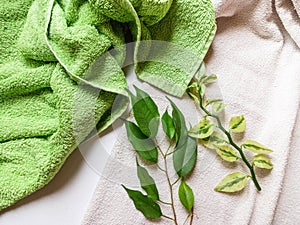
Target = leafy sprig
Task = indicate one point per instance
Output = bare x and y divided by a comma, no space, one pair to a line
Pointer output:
210,131
182,148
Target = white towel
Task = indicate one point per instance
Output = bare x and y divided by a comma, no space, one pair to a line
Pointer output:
256,55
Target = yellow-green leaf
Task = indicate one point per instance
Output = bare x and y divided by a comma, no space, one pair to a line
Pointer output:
232,183
214,140
237,124
209,79
211,101
218,106
256,147
203,129
262,162
194,97
202,90
227,153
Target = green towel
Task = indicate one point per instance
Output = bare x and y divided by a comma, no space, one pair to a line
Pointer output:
59,82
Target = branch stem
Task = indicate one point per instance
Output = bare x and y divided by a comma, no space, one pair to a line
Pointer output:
231,142
168,217
165,203
192,216
186,219
170,185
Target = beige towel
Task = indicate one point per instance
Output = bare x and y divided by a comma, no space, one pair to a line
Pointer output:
256,55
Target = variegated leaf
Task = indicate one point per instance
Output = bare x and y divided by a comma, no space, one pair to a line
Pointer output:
227,153
194,97
202,90
256,147
232,183
209,79
203,129
262,162
214,140
211,101
237,124
218,106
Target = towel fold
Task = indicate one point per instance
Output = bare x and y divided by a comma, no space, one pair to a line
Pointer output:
59,78
256,55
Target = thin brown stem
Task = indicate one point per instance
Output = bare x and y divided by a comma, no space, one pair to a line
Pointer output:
161,169
169,184
168,217
192,216
186,219
171,193
176,181
167,152
165,203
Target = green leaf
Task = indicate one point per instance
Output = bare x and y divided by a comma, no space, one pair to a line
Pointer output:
214,140
186,195
143,145
209,79
180,126
168,125
256,147
185,152
144,204
218,106
145,112
147,182
232,183
262,162
238,124
203,129
227,153
185,157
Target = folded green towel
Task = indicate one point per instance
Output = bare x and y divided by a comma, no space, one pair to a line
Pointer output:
189,25
51,98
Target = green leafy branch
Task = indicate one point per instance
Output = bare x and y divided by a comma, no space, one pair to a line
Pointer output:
208,134
182,148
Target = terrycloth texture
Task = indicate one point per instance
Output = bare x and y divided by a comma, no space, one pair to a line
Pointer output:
184,23
44,113
51,98
256,55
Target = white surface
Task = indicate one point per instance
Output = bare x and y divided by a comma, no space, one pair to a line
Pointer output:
61,202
